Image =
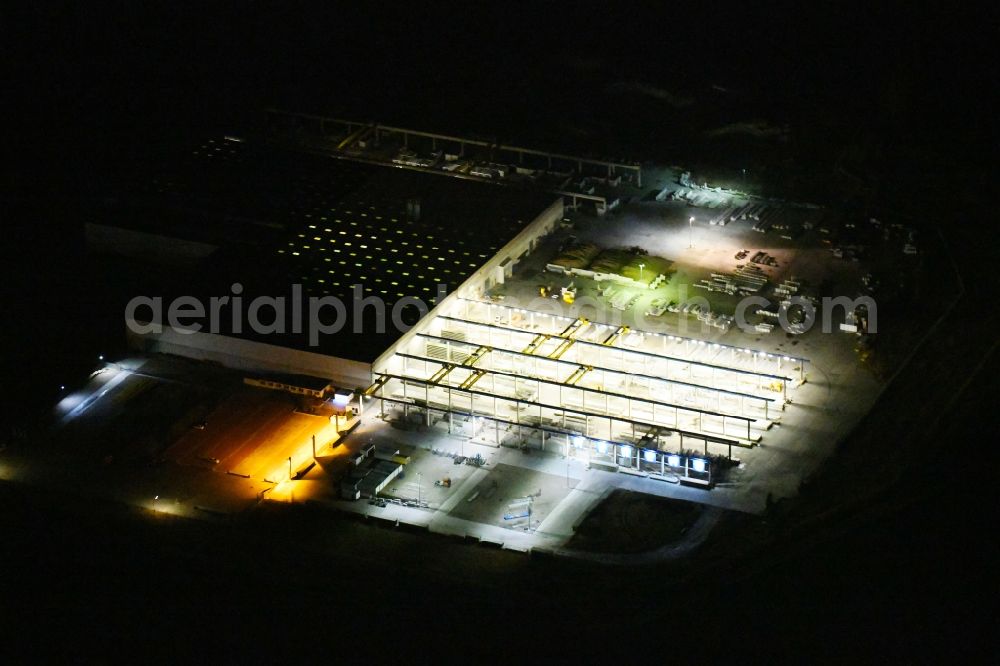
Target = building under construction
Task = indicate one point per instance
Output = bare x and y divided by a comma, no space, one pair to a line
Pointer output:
613,394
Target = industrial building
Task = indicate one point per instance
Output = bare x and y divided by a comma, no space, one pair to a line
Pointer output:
614,395
323,223
571,386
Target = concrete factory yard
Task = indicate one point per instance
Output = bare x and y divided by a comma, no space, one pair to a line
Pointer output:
252,433
562,490
502,497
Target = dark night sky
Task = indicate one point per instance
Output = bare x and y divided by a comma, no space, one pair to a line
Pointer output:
496,69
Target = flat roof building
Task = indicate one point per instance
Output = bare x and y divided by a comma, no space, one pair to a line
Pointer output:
268,217
315,387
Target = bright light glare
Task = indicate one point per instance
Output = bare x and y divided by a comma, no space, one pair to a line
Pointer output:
70,402
674,461
698,465
649,455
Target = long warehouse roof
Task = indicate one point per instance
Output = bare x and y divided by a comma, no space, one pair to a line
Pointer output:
281,217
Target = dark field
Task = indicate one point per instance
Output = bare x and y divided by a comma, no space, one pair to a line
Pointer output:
627,522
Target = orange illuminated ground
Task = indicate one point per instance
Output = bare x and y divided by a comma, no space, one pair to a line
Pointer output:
253,432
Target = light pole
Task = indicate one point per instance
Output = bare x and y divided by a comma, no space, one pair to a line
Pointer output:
641,266
419,484
289,468
691,232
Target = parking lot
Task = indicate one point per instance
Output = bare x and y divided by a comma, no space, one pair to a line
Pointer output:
252,433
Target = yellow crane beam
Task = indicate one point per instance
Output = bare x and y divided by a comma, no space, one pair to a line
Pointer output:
575,328
536,343
441,373
578,374
477,355
562,348
618,332
379,383
568,335
472,379
354,136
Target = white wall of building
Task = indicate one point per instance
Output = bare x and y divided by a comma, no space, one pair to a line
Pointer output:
242,354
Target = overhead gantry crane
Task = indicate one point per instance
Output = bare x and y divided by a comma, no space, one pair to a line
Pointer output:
376,385
569,337
441,373
578,374
536,343
446,368
571,331
355,136
472,379
618,332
